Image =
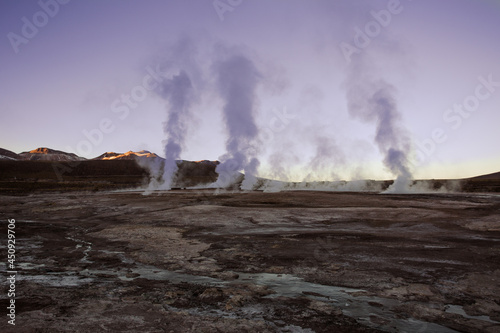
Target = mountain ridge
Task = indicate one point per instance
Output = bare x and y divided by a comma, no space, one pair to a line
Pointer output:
48,154
126,156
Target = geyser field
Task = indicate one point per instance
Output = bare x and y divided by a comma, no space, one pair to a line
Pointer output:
294,261
250,166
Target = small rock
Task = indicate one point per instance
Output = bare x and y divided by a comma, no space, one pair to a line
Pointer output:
276,269
378,320
235,302
211,294
132,275
334,267
324,308
259,289
129,299
420,289
228,276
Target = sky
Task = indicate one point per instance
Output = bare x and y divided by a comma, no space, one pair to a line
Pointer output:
89,77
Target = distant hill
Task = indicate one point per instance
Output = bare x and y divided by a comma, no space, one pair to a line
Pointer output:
130,155
8,155
483,183
47,154
45,169
491,176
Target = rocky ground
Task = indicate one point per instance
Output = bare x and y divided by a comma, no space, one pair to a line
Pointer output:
199,261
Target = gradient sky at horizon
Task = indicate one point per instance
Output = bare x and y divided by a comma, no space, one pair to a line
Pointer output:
64,80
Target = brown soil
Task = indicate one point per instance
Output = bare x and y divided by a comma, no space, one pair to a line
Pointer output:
78,255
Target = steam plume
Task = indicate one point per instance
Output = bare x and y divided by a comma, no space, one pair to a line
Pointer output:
237,79
180,82
374,102
178,91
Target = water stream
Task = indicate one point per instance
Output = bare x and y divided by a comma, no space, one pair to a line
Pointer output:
351,301
82,244
362,308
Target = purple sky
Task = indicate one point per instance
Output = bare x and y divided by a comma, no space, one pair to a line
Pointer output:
70,77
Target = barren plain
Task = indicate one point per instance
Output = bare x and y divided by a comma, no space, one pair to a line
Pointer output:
299,261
